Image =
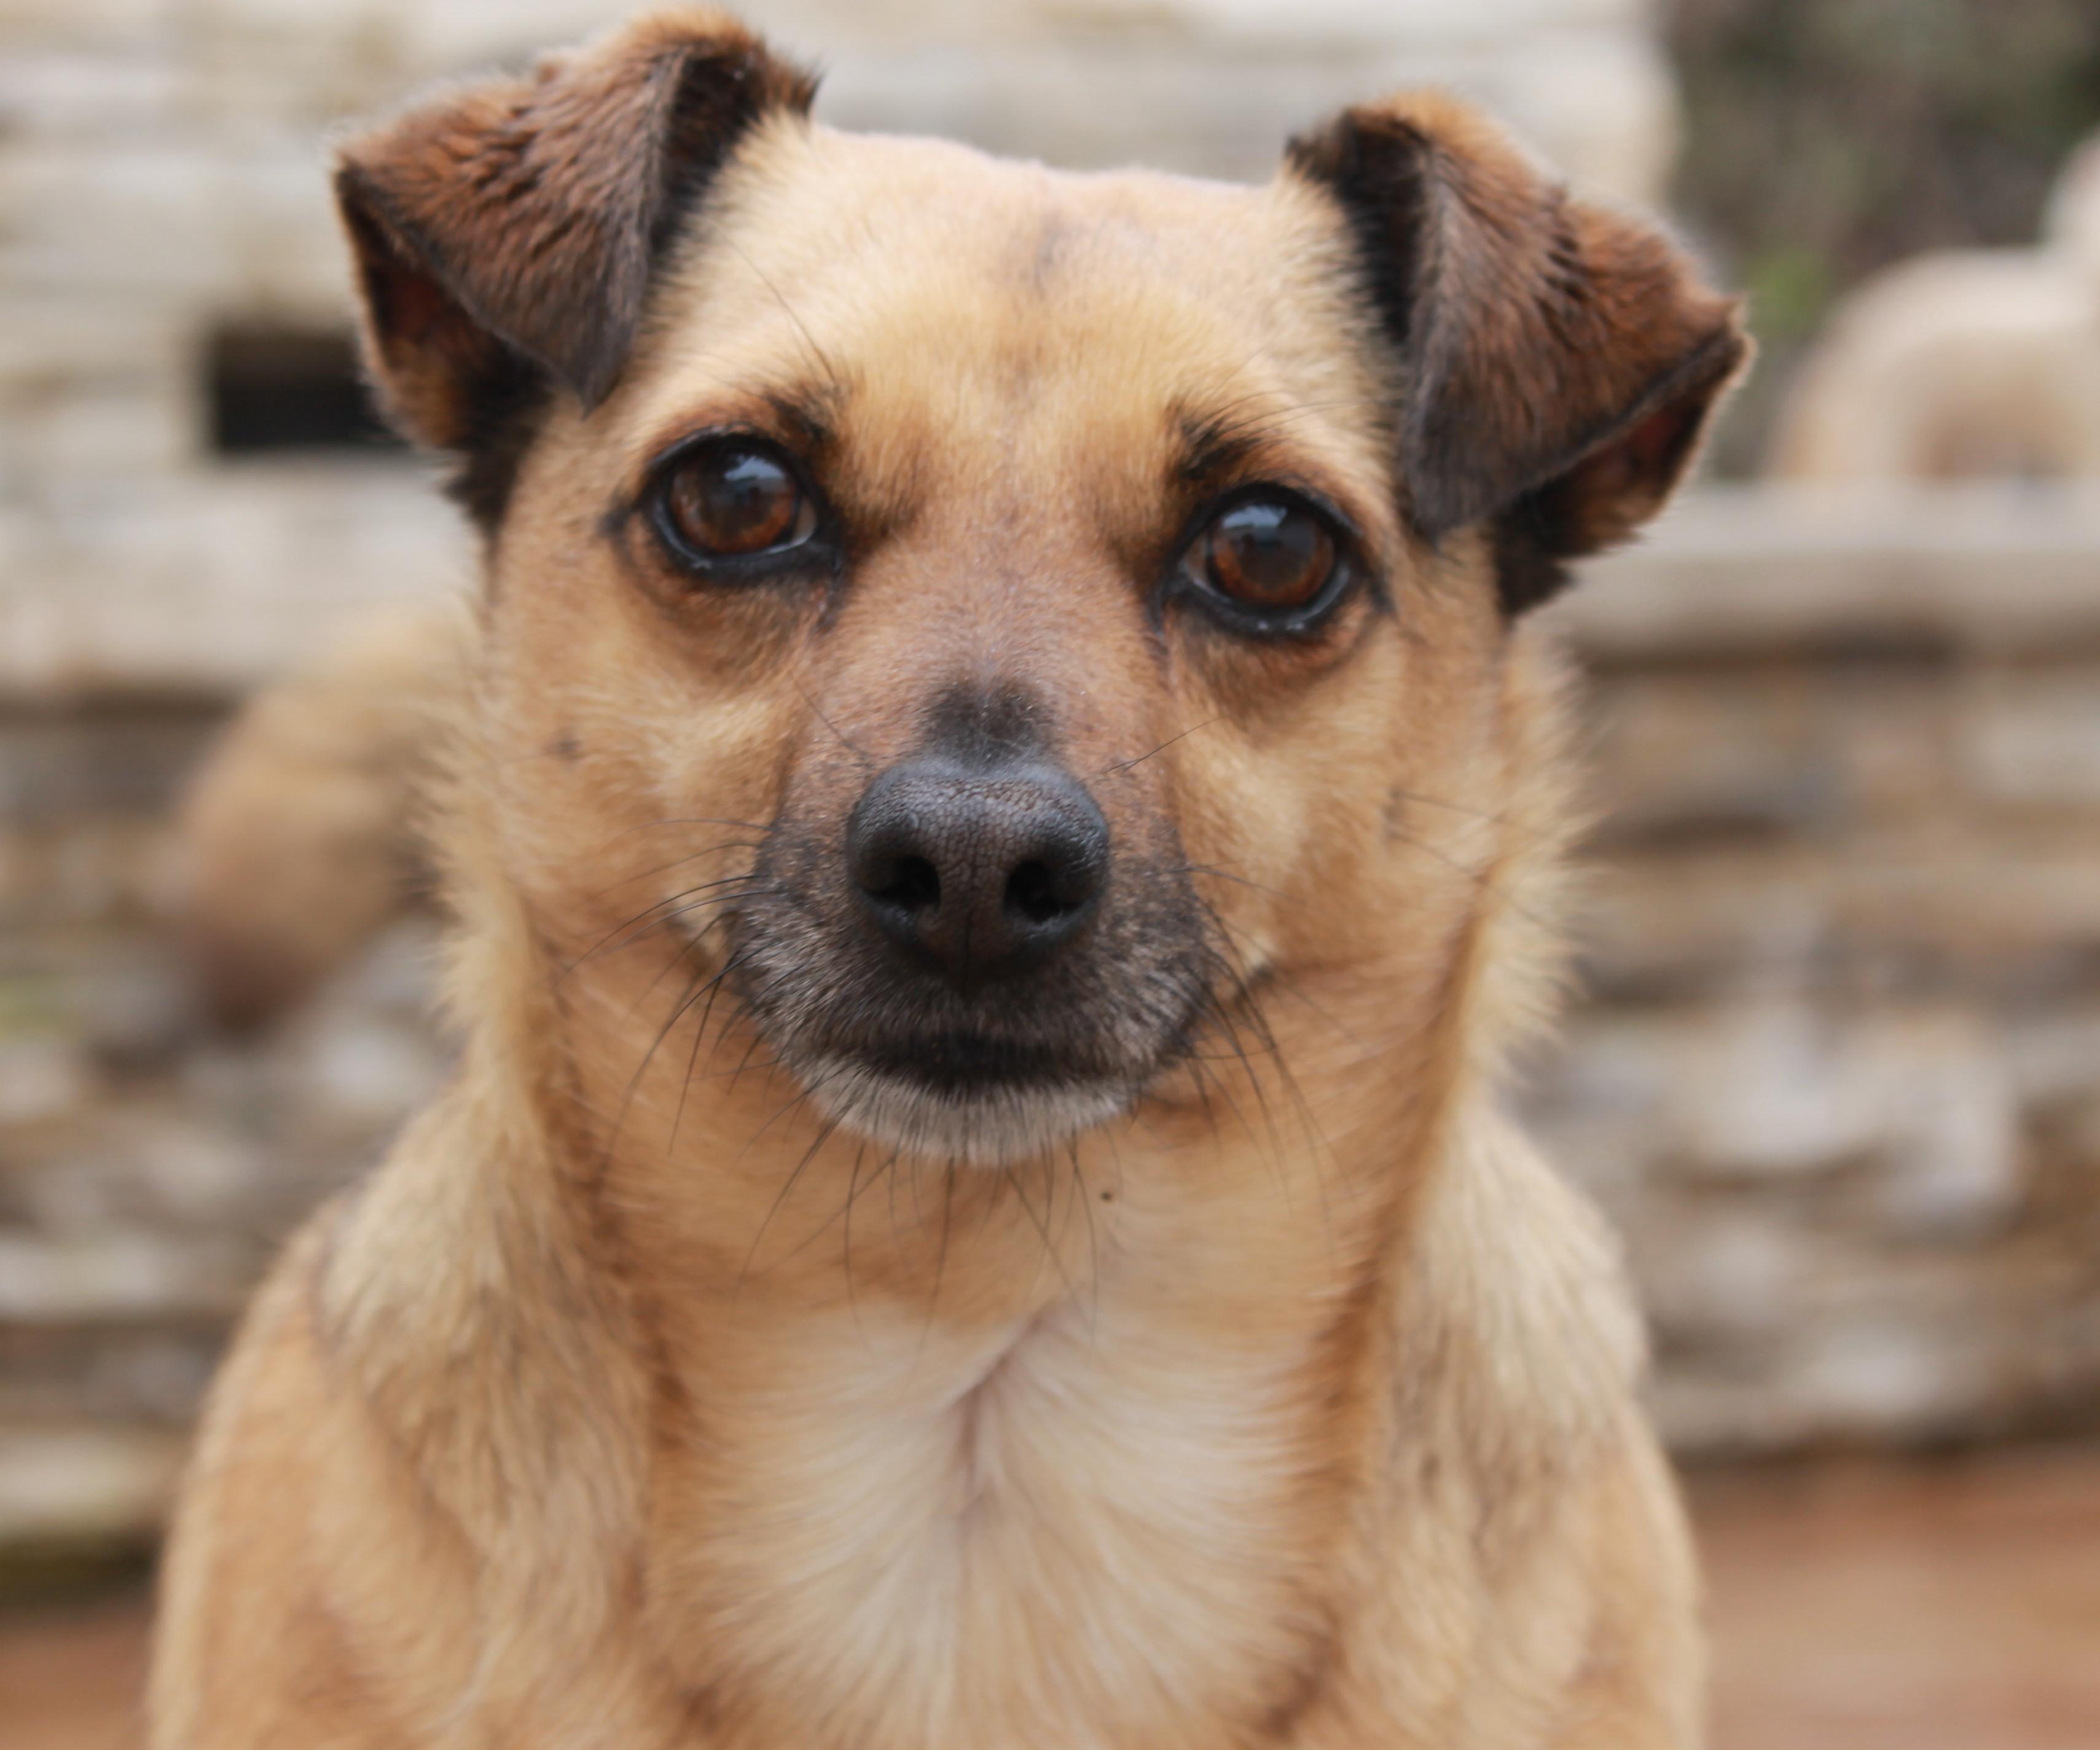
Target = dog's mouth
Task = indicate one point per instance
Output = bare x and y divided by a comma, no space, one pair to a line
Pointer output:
1006,1075
955,1065
969,1098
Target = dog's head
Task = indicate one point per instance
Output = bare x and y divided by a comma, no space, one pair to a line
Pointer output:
1060,603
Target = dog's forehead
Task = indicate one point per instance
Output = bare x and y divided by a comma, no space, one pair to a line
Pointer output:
988,295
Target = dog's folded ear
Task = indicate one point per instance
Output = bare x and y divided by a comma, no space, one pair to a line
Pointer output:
1559,359
505,232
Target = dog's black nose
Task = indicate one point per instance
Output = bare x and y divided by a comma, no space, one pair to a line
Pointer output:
982,870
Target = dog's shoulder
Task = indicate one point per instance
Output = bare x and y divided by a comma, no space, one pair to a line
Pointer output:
1525,1511
1514,1314
244,1533
414,1408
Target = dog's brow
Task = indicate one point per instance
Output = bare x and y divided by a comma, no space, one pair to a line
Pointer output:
1209,447
805,417
1245,438
1227,440
809,412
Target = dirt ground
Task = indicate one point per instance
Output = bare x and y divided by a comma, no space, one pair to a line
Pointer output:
1948,1607
1954,1607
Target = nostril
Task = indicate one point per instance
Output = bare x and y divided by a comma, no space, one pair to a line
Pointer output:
976,871
1032,893
910,883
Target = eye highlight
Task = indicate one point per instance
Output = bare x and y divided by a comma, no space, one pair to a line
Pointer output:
1270,559
731,499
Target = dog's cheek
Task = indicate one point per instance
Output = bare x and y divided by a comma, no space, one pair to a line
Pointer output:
671,685
1277,797
621,758
728,638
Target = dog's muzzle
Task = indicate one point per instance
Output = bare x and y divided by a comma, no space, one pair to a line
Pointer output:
967,965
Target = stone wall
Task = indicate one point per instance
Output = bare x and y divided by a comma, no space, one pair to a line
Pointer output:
1836,1069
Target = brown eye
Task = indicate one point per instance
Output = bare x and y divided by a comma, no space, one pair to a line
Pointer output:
734,500
1268,554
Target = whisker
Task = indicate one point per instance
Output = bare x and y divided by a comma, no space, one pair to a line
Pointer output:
845,1218
844,740
1093,1243
1243,1002
940,1255
1041,1228
823,359
634,1081
628,881
658,826
1482,882
1125,765
643,918
715,987
779,1197
803,1095
1206,868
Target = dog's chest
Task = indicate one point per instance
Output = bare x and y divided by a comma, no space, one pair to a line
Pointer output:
1071,1537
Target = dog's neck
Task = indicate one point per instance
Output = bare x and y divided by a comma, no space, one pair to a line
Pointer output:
885,1386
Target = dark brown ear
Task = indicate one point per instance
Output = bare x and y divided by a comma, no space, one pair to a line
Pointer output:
505,232
1558,360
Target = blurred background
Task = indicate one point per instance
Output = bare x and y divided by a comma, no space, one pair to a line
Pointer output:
1833,1068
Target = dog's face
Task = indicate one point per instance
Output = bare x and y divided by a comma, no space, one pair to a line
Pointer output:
994,619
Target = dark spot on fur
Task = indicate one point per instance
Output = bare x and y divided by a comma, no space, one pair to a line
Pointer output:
505,417
1051,239
1304,1687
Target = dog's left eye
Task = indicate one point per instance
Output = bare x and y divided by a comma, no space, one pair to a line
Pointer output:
733,500
1272,558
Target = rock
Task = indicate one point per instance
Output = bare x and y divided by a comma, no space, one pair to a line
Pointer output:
1799,571
40,1077
115,1275
85,1485
2033,739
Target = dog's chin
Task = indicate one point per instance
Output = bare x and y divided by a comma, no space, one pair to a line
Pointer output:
984,1122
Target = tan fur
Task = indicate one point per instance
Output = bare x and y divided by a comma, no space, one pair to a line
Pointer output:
631,1402
298,836
1961,364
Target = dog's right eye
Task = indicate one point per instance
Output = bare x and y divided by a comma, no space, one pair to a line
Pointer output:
732,500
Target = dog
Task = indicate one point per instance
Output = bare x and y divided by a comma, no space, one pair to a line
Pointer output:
297,838
1963,364
1006,826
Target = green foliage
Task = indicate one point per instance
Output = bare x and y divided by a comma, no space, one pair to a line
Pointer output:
1826,138
1789,287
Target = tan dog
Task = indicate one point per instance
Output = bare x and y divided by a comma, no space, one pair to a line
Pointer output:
1005,831
1962,362
298,837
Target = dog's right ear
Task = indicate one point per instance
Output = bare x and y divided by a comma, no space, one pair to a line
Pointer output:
505,233
1559,360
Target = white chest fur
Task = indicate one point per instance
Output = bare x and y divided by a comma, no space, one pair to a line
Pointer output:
1060,1534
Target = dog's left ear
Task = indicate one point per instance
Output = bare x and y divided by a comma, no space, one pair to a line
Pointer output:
1558,360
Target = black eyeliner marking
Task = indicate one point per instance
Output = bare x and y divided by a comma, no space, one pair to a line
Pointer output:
821,552
1351,570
